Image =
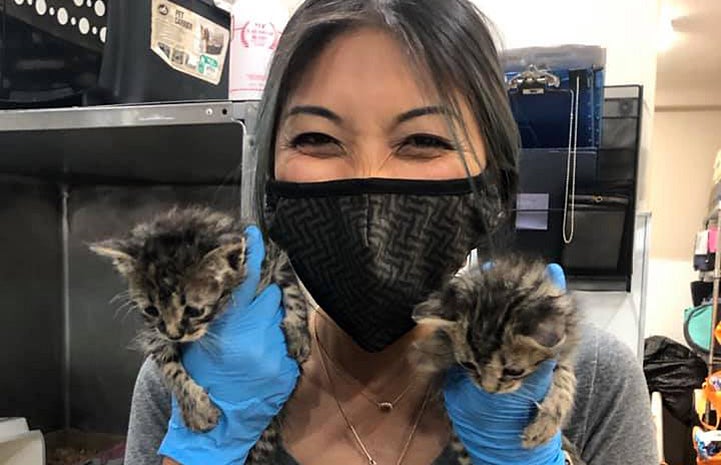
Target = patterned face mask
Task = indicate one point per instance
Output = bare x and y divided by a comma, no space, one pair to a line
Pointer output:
369,250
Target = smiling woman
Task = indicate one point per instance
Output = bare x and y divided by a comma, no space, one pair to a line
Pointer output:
387,153
422,105
329,131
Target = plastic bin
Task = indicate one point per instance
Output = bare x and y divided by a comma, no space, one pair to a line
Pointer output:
161,50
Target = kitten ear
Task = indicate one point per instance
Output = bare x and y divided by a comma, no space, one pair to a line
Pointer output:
441,309
116,250
549,334
225,260
431,323
446,306
432,313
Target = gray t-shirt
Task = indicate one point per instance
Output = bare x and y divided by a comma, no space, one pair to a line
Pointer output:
611,422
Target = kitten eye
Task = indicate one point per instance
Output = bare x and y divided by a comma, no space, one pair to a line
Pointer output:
151,310
193,312
470,366
513,372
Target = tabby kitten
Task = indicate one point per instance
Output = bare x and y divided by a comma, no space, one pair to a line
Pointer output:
181,268
499,323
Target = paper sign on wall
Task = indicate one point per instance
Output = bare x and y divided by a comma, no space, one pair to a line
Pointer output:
532,212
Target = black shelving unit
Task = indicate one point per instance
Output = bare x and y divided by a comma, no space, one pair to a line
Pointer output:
611,170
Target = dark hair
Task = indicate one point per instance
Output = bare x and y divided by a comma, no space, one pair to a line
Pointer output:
449,40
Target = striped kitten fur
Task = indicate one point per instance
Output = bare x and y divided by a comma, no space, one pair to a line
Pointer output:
499,323
181,268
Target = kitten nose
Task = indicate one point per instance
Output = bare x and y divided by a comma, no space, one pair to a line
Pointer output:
174,334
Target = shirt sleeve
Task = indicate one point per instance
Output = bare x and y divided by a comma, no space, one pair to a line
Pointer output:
149,415
612,421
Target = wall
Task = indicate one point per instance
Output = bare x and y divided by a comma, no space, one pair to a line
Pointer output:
626,28
687,142
685,146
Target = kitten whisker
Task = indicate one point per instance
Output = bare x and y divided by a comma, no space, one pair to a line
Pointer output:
128,311
209,345
139,342
120,295
527,398
210,341
127,307
124,302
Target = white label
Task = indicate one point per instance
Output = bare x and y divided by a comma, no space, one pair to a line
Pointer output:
256,33
188,42
701,243
532,212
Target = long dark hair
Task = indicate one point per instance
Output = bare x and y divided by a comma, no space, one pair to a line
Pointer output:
450,41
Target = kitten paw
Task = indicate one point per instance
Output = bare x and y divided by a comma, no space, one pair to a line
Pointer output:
300,348
295,328
540,431
200,414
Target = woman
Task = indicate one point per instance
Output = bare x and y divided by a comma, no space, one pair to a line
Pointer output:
377,113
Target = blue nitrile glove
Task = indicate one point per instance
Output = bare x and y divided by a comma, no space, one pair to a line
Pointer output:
246,369
490,425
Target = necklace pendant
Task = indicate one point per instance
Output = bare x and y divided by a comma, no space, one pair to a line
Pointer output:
385,407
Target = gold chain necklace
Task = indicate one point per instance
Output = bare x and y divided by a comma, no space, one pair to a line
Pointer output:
369,457
383,406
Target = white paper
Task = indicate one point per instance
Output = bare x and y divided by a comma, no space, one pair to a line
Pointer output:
701,243
532,212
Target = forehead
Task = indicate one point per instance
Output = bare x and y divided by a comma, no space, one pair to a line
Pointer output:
368,68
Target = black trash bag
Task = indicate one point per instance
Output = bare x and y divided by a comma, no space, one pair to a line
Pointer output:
675,371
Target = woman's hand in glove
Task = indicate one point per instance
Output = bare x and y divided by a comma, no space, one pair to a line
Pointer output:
491,426
245,368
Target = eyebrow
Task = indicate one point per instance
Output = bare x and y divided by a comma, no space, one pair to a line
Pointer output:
315,111
323,112
418,112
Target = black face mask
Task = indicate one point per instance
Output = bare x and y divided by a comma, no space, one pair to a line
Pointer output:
369,250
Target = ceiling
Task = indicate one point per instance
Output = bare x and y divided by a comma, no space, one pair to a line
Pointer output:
690,69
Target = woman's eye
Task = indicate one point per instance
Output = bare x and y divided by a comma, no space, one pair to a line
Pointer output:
152,311
425,146
430,141
317,144
513,372
193,312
